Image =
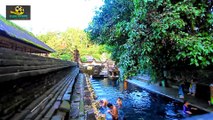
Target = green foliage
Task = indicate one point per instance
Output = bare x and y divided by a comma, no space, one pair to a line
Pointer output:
156,35
66,56
83,59
65,42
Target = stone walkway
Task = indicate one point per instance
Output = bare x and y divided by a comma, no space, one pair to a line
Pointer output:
172,93
77,104
81,108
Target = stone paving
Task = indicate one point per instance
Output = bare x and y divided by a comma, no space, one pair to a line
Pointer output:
172,93
76,112
81,108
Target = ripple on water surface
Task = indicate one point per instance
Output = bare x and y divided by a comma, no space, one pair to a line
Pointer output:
138,104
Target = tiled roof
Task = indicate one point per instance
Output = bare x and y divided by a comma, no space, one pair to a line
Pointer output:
21,35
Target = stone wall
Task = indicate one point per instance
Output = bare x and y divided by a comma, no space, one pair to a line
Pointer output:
15,64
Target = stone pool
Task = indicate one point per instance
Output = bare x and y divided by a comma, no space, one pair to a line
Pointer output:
138,104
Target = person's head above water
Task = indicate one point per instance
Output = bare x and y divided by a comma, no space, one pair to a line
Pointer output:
119,98
103,102
119,101
109,105
186,102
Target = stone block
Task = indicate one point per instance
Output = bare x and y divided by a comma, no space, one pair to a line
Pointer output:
66,97
74,113
90,115
56,117
65,106
76,98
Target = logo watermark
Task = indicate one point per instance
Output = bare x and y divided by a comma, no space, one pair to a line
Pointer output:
18,12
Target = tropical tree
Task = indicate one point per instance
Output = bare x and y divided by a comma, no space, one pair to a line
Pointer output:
64,44
156,35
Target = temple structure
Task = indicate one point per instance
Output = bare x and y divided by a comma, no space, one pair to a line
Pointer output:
76,56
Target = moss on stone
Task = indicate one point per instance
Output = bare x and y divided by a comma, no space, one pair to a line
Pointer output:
81,106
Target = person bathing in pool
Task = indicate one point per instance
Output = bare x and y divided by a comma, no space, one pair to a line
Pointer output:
113,111
119,102
121,115
187,108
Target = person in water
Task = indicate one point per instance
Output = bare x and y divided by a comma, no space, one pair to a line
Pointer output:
113,111
103,111
120,110
119,102
187,108
103,106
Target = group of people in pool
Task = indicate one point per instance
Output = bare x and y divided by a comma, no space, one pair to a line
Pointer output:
110,111
115,112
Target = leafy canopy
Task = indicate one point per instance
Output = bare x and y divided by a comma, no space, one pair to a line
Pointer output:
66,42
156,35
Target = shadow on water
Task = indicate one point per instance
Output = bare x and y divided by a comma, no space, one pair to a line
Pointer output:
138,104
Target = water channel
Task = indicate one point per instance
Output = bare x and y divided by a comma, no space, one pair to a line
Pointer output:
138,104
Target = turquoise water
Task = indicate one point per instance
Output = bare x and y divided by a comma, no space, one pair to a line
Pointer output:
138,104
